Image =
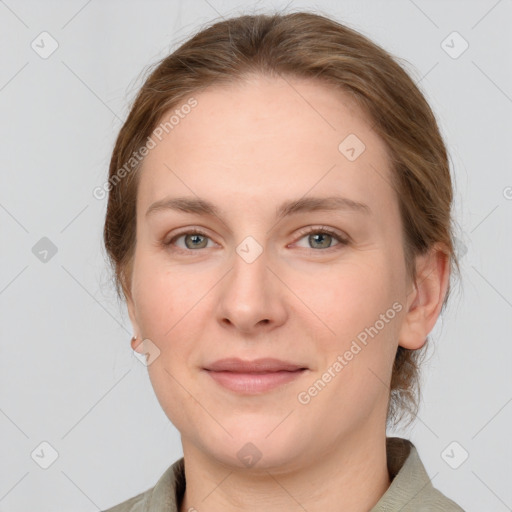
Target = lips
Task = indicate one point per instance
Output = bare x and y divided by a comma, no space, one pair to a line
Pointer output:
256,366
253,377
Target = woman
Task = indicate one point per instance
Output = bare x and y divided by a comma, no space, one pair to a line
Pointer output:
279,223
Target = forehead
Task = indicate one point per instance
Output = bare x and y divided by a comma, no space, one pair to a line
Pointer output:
266,139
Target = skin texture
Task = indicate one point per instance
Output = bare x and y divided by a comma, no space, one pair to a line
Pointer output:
247,148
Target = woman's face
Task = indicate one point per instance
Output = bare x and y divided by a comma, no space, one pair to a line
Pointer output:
255,284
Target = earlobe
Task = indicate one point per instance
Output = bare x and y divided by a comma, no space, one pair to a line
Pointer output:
426,298
136,341
137,344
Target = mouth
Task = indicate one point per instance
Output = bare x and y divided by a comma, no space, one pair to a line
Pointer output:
253,377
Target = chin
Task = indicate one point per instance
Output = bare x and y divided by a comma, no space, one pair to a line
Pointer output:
261,446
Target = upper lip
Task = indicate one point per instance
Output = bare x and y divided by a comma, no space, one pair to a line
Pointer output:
256,365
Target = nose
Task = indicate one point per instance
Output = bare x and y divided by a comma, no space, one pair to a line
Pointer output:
252,297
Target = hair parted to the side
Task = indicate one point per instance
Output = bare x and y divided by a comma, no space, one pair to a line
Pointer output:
310,46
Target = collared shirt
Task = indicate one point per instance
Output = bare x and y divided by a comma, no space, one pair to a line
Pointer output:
410,491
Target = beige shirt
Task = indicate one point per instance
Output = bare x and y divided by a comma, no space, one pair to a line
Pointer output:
410,489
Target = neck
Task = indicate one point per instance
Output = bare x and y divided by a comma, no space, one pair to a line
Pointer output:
352,476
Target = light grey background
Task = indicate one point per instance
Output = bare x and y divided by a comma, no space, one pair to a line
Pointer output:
68,375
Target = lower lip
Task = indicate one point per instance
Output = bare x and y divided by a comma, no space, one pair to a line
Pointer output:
253,383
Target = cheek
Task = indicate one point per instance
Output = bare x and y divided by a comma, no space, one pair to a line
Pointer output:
160,298
351,298
359,312
165,308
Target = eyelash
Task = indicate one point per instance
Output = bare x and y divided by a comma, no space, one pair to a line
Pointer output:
316,230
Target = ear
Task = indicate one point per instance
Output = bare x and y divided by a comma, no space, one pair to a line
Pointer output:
130,304
425,301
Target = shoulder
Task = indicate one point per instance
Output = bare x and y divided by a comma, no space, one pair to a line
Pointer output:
135,504
433,500
411,488
162,497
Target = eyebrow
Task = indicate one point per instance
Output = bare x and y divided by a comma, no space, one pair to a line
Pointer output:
200,206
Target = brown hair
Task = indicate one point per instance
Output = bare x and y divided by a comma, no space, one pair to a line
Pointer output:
301,45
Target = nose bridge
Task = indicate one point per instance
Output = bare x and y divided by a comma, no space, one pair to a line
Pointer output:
250,272
249,294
